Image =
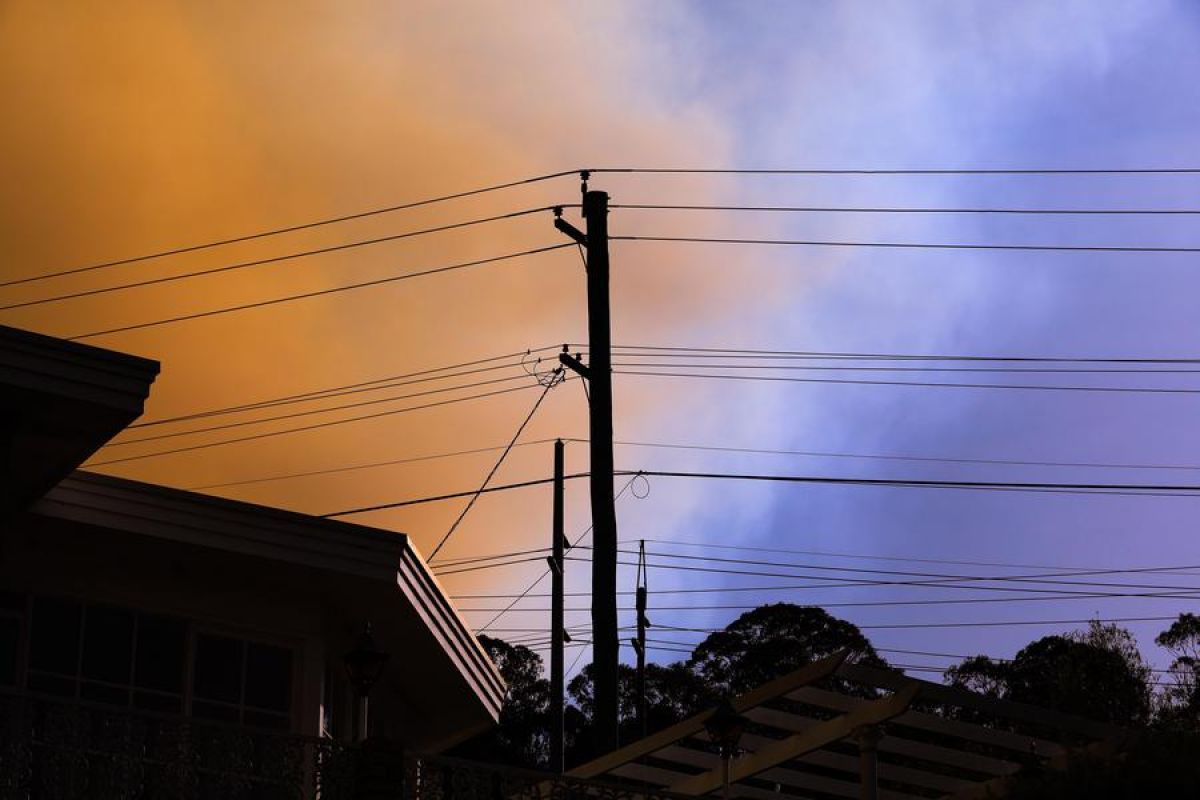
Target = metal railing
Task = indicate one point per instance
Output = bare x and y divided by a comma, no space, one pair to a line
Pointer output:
54,749
58,750
443,778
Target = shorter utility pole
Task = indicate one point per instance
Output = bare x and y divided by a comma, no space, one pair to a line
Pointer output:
639,643
557,628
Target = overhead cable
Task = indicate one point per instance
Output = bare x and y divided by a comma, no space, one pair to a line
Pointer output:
290,228
311,427
920,384
908,210
1050,248
319,292
258,262
550,384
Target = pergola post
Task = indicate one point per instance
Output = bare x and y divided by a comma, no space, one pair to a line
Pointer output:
867,739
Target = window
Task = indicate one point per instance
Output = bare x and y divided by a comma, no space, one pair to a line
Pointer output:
120,657
54,646
239,681
12,611
107,655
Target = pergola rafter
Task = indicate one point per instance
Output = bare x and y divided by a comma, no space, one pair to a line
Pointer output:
891,737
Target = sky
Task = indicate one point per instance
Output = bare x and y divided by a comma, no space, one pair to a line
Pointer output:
132,128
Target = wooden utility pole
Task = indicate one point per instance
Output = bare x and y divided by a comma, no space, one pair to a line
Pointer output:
598,372
557,629
639,644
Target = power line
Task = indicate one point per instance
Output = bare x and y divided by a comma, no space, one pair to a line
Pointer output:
885,457
967,171
907,210
307,413
881,603
550,384
353,467
937,580
377,384
460,560
477,567
1147,490
1054,248
827,554
258,262
289,229
828,368
1041,577
966,624
921,384
311,427
451,496
542,577
721,352
709,448
849,583
320,292
943,576
1162,489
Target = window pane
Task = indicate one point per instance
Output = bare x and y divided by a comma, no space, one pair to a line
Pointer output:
54,644
50,684
148,701
10,635
269,677
261,719
214,711
108,644
160,653
218,673
99,693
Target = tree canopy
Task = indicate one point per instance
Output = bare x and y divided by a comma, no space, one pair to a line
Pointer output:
773,640
1098,673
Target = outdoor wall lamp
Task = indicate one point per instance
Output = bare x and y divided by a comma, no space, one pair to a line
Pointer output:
364,666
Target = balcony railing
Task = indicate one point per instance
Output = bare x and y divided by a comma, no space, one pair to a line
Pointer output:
53,750
59,750
442,778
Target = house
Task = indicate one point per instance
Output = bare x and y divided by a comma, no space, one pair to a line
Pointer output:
145,628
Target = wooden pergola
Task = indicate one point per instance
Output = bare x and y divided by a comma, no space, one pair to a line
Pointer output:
836,729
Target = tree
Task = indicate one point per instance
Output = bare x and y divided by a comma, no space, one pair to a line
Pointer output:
1096,673
980,674
773,640
1157,764
673,693
523,736
1182,697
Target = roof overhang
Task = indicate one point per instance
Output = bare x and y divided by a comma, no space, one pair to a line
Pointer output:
443,678
60,402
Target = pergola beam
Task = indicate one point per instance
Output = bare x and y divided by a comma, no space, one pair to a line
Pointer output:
691,726
871,713
1008,709
891,743
1017,742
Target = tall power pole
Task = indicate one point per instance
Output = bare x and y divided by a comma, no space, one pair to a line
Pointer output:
639,642
557,629
598,372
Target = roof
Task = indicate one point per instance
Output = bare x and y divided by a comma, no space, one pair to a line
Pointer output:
935,740
62,401
368,556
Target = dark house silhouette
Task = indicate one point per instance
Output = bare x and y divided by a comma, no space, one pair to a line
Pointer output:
184,610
